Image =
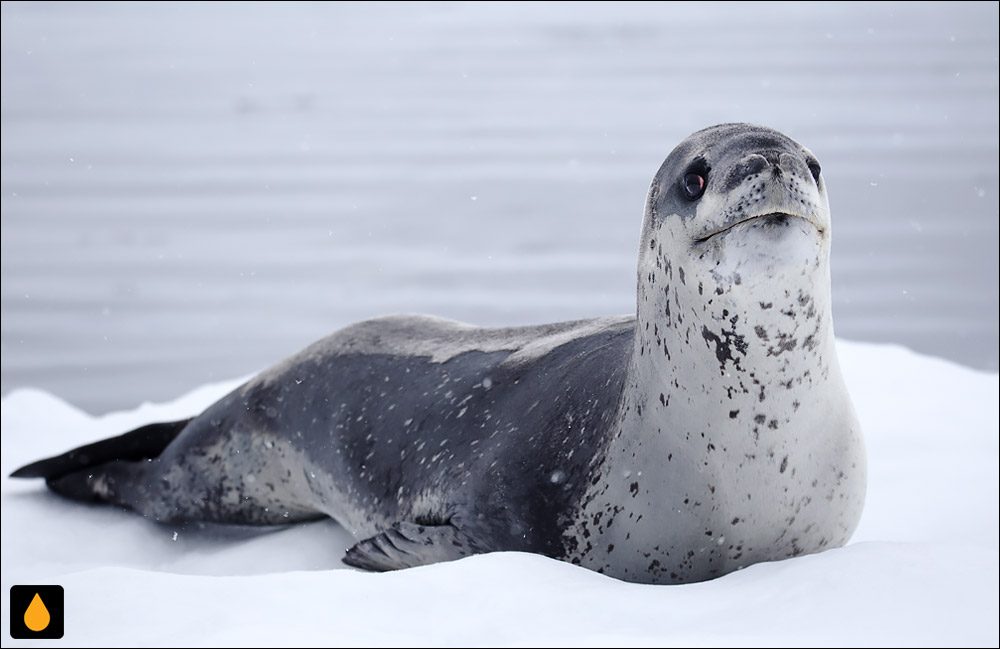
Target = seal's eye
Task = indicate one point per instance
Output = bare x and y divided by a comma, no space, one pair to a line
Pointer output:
693,185
815,170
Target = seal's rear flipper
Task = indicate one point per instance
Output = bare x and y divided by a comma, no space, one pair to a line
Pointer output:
407,545
140,444
102,483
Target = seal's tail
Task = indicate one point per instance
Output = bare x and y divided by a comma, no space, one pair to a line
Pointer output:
66,474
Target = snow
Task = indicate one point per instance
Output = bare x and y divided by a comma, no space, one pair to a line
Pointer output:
922,568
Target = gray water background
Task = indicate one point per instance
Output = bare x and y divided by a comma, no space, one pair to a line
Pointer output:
191,192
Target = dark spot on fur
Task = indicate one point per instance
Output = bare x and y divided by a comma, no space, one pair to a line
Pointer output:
725,343
733,413
784,464
785,344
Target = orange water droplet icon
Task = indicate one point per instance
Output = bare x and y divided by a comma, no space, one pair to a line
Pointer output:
37,616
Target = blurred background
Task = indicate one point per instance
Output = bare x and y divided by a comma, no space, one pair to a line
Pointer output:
192,191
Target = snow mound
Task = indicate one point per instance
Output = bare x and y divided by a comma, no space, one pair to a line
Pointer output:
922,568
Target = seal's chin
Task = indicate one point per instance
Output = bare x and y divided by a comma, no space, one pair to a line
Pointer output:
771,222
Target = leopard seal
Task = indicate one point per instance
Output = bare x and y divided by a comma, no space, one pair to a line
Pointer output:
709,431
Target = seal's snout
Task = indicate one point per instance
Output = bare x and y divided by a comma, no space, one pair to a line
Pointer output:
769,164
773,184
751,165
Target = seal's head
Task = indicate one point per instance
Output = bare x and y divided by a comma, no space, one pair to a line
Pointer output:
744,199
734,261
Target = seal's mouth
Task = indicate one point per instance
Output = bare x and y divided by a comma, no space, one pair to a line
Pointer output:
770,219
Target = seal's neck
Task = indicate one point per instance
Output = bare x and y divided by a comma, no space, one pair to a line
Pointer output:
735,343
746,330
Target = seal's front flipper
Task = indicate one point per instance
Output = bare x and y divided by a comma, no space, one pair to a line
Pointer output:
406,545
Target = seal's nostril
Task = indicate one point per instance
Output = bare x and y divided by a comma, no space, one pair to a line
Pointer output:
753,164
749,166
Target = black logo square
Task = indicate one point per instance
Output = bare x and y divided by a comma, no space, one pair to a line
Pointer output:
36,612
